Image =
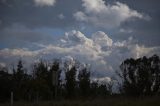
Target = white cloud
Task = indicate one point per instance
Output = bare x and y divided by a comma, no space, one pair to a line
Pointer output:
61,16
45,2
80,16
94,6
101,52
76,37
100,14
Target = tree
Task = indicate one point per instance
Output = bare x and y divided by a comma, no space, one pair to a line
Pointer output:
71,82
55,81
41,70
20,82
41,82
19,74
102,90
93,89
5,84
140,76
84,82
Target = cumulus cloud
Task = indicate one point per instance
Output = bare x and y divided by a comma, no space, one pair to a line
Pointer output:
102,39
100,14
45,2
138,51
102,53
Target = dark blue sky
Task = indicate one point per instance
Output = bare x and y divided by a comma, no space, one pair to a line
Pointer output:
31,15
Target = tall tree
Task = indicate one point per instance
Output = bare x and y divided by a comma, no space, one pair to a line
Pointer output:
141,76
71,81
19,71
55,81
5,84
84,82
41,70
18,80
41,85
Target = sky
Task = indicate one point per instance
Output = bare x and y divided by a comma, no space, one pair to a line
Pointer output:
101,33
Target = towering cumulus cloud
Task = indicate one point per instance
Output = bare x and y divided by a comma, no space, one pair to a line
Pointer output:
102,53
102,39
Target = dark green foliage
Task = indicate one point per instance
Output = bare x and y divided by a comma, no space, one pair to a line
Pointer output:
44,83
71,82
100,90
55,69
41,71
93,90
55,81
42,86
84,82
20,81
141,76
5,84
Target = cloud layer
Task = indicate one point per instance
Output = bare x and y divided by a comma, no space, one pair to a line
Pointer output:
100,51
100,14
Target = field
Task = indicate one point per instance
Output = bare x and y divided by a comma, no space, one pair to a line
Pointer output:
155,101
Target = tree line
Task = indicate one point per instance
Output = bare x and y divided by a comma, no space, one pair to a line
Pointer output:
137,77
44,82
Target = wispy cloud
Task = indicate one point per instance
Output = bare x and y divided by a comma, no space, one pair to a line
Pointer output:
45,2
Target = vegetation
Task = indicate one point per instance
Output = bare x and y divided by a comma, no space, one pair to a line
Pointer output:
44,83
84,82
139,77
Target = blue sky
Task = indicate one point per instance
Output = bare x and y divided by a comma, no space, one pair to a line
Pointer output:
100,32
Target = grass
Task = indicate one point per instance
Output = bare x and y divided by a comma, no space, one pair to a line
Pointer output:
118,101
